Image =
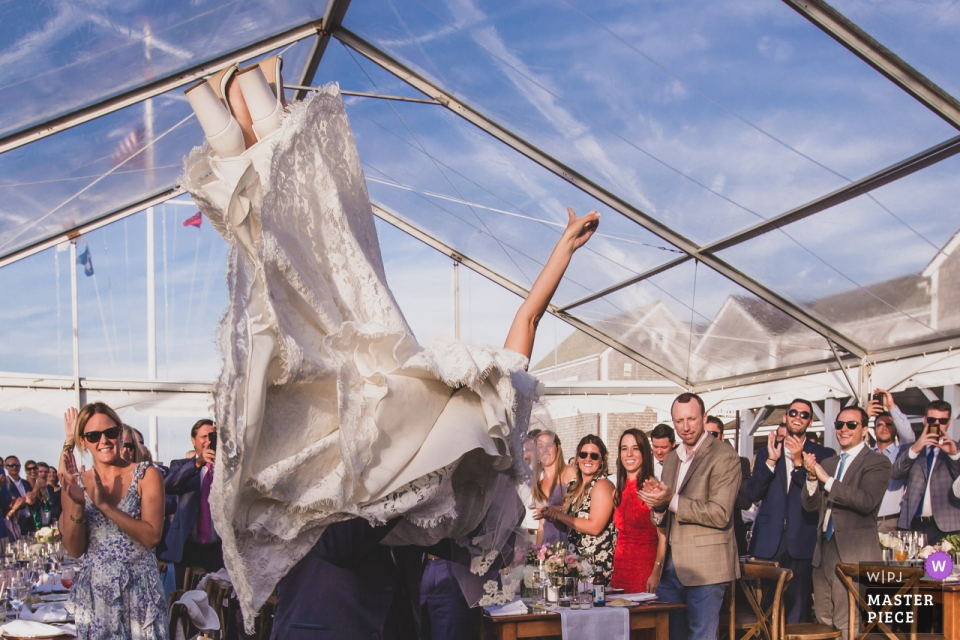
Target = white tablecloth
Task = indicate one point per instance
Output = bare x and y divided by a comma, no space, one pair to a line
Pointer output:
599,623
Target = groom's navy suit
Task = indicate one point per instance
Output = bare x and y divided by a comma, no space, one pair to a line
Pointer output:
783,531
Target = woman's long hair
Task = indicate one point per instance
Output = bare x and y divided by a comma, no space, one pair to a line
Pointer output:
575,496
539,495
646,466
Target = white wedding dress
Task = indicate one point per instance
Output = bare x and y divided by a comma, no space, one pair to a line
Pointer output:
326,406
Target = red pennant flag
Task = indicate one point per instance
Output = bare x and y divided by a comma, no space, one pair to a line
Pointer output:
194,220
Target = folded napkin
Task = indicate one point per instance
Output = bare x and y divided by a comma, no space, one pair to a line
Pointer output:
600,623
50,588
47,612
635,597
32,629
514,608
223,576
200,611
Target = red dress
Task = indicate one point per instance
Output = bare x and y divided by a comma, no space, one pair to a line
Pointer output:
636,549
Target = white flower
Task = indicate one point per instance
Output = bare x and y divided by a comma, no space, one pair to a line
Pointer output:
946,546
926,551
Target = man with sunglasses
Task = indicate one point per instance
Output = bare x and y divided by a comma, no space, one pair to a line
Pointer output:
930,467
23,496
783,531
845,492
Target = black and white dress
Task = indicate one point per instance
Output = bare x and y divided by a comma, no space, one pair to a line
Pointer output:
599,547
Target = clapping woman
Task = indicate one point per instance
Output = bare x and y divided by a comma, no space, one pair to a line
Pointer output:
641,547
587,513
113,517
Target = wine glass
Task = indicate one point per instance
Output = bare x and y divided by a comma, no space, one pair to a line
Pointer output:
901,552
66,577
18,594
541,579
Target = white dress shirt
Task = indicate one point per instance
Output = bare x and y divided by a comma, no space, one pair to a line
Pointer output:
894,495
852,453
788,456
657,468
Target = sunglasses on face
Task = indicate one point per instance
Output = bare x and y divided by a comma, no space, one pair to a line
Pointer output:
715,434
804,415
129,446
13,465
941,421
585,454
849,424
93,437
31,469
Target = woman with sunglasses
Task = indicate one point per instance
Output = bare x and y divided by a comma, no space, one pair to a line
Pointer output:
641,548
587,513
113,517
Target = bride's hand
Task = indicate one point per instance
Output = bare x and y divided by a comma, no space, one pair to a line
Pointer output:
579,230
69,477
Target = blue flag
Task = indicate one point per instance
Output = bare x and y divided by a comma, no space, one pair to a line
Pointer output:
86,261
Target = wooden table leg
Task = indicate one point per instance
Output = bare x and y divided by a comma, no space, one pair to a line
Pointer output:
663,625
951,614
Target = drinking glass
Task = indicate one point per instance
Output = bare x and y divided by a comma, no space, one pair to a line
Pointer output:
541,579
66,578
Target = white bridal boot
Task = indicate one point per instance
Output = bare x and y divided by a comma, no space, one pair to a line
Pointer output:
220,127
262,90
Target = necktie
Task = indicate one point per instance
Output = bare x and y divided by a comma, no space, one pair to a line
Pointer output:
205,523
843,461
931,454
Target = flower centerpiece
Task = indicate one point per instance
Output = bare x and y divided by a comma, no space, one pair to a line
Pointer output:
563,564
47,535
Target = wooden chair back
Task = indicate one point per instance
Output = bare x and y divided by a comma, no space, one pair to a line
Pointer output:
850,576
191,578
762,586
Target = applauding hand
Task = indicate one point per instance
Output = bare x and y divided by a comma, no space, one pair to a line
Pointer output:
773,449
656,494
69,477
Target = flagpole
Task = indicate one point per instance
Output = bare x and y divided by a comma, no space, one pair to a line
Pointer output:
153,432
76,329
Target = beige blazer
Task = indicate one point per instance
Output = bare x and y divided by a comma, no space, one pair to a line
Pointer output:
700,534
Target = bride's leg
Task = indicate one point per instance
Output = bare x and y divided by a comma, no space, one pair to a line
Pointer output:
240,112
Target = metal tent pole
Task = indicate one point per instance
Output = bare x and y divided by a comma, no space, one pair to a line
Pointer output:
76,328
152,327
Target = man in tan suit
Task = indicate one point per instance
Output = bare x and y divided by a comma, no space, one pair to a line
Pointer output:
693,504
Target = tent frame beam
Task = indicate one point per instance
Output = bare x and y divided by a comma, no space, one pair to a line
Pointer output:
157,87
93,225
332,19
862,45
511,286
586,185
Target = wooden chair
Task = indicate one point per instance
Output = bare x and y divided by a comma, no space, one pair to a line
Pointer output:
218,595
755,580
191,578
906,577
180,618
810,631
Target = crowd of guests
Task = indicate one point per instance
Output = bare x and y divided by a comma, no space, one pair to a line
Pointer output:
669,515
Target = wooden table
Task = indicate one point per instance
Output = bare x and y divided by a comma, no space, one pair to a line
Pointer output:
642,616
949,596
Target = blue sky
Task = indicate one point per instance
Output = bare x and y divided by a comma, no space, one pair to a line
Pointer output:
709,117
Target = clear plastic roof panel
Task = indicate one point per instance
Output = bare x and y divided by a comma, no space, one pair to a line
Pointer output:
923,33
487,201
710,117
881,269
700,325
80,174
61,56
36,322
191,264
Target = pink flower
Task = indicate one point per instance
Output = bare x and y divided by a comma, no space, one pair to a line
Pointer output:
570,560
542,553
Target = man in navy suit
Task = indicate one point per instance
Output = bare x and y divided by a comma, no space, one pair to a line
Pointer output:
191,540
783,531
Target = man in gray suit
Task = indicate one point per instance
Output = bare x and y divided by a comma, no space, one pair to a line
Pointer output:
930,467
847,491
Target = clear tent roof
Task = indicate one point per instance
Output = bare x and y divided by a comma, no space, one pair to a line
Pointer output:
767,195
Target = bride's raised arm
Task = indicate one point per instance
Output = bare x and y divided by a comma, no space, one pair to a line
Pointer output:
524,327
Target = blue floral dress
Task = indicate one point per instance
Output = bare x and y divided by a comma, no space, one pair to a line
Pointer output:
117,591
